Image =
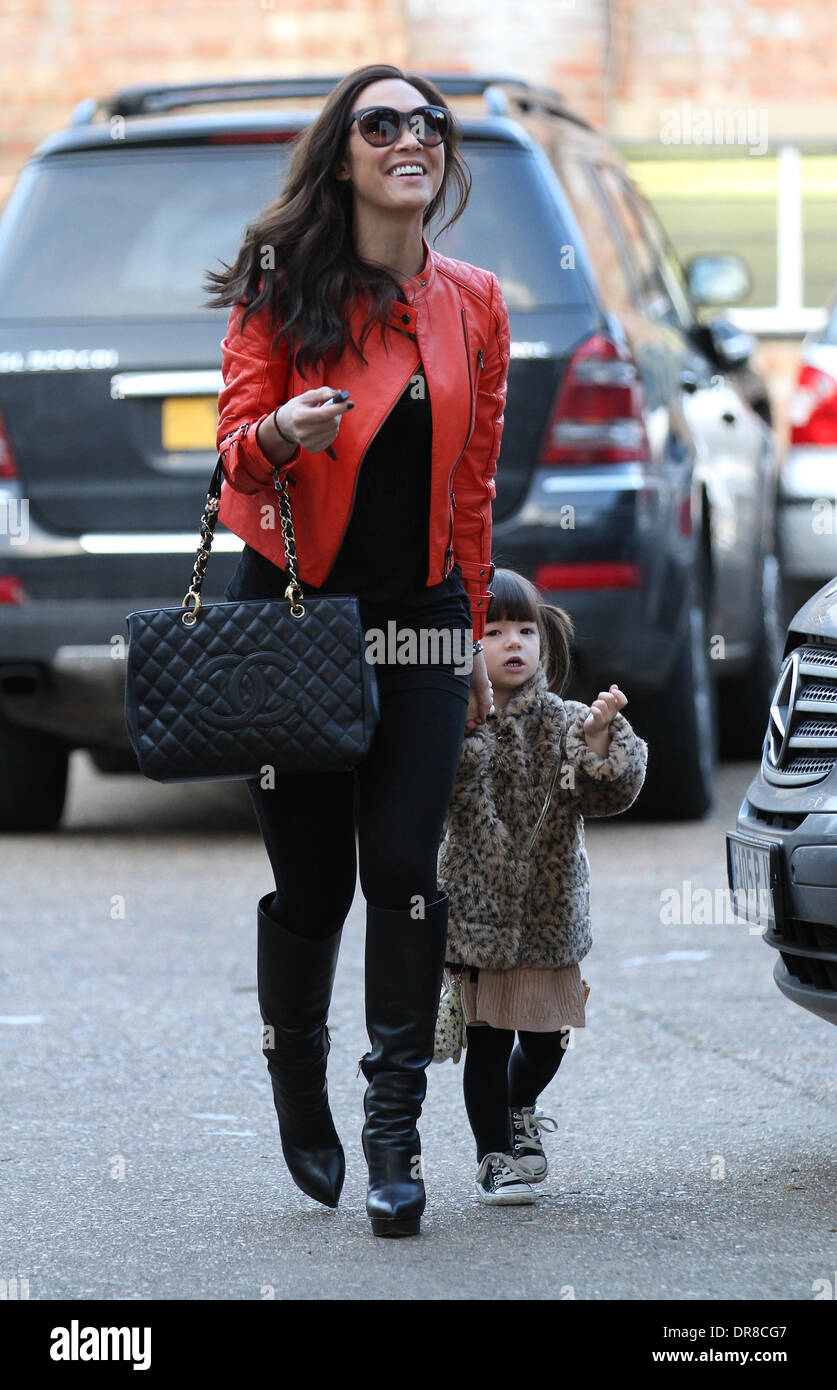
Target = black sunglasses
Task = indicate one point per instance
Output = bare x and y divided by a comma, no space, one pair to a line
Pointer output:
382,125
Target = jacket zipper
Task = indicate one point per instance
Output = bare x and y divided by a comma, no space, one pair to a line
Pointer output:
451,493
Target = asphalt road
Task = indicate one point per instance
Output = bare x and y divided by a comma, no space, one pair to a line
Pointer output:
139,1152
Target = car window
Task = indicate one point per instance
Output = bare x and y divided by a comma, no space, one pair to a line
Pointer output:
129,234
602,247
651,293
668,263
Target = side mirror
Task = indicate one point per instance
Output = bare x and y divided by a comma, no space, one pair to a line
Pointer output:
731,345
723,278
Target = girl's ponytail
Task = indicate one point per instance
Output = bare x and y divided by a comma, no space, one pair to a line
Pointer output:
517,599
556,627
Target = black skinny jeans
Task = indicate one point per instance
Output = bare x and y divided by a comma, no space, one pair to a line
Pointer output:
403,789
497,1078
395,801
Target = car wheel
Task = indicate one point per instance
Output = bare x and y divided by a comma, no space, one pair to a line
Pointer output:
33,779
680,724
745,700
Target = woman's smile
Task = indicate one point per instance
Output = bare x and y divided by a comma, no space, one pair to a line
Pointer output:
407,169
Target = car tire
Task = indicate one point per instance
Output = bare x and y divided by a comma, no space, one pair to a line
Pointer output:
33,779
680,724
745,700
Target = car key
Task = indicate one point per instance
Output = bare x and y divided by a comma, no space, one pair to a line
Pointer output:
334,400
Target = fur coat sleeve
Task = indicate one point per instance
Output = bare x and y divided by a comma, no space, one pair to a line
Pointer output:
603,786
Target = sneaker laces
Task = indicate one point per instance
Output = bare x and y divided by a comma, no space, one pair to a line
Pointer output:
505,1169
531,1122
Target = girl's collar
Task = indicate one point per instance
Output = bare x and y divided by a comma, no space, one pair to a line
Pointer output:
526,696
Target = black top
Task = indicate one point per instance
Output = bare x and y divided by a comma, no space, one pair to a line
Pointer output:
384,552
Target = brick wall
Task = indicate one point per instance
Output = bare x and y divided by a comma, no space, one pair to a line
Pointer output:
621,63
561,43
54,53
769,54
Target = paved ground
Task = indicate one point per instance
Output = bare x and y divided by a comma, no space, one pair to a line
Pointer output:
139,1152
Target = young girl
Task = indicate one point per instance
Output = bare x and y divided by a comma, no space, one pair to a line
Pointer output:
515,868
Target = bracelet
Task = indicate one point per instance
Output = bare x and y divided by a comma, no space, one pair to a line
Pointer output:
280,432
477,646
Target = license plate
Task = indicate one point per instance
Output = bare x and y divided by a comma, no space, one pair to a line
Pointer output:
189,422
753,873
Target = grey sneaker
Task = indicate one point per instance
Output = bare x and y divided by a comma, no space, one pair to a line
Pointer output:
501,1182
526,1125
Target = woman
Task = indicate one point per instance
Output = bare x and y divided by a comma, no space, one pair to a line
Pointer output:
362,304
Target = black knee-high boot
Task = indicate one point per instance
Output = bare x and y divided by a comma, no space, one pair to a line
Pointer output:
295,980
404,962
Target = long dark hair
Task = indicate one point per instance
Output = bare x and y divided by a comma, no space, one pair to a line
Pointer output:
314,270
517,600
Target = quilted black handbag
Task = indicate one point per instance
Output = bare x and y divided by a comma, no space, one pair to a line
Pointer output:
220,691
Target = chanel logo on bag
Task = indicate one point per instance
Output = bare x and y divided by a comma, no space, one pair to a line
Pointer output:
232,690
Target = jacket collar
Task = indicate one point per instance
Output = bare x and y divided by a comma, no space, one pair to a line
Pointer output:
403,316
526,697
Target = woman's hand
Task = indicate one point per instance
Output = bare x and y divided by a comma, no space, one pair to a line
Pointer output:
306,421
481,701
602,711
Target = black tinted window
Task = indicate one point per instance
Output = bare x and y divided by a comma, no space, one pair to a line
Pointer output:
651,290
577,182
130,234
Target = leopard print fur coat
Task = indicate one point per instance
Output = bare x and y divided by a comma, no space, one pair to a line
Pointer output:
508,908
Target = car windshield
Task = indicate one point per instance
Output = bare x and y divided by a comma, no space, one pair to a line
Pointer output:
104,235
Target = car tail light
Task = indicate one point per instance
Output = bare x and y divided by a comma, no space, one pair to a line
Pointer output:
8,467
598,415
11,589
607,574
813,408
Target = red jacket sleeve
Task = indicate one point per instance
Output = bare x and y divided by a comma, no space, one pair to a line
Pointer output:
254,384
473,483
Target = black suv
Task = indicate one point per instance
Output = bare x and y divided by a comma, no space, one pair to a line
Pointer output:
637,477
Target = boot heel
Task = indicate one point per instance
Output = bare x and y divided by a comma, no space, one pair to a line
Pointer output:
396,1225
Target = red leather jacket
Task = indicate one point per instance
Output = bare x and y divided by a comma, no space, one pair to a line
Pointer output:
461,327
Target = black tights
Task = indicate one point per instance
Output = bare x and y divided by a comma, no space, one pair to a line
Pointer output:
404,785
497,1077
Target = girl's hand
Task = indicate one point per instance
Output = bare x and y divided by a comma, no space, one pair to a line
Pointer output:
309,422
602,711
481,701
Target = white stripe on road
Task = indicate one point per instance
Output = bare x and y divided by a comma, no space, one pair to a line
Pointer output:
662,960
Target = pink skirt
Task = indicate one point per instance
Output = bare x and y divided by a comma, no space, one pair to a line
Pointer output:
538,1001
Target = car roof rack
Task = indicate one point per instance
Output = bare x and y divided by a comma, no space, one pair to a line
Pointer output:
502,95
